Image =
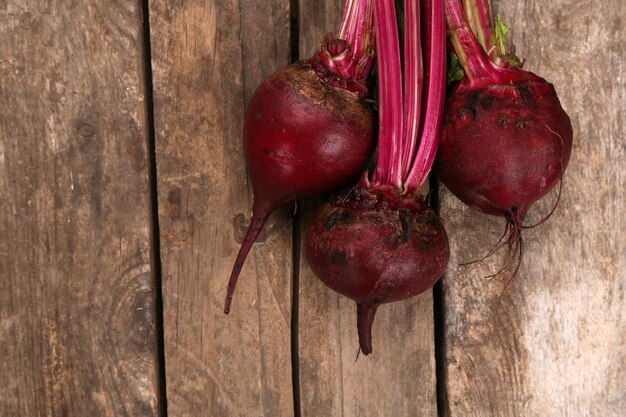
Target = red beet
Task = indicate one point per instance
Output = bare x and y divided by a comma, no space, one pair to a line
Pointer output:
376,246
503,147
380,242
506,140
303,138
308,130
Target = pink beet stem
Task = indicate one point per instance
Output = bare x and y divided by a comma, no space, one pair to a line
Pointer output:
480,19
390,113
435,78
260,213
479,69
365,313
471,55
357,29
412,82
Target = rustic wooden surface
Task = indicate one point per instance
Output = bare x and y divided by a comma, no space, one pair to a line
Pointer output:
77,333
398,379
557,344
208,57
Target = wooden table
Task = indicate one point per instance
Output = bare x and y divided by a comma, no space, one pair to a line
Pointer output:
124,197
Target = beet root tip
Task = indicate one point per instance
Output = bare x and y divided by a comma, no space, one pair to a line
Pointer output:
227,302
365,317
260,213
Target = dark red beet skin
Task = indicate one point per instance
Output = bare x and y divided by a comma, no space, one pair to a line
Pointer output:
503,147
303,137
375,246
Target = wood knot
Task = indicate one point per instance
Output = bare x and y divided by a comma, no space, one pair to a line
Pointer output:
86,130
174,203
131,313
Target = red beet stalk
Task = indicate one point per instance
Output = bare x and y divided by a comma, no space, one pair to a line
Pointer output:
480,21
435,87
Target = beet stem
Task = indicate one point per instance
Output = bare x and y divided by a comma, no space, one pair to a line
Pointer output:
355,57
435,58
388,169
480,19
357,27
413,81
398,163
471,55
365,317
260,213
479,69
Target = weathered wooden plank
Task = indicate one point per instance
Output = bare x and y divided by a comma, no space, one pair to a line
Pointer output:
208,57
398,379
77,334
557,344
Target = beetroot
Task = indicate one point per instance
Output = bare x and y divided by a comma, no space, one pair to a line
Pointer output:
376,246
506,140
308,130
380,242
303,138
504,146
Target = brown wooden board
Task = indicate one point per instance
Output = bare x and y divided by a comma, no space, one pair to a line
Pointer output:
398,379
556,346
77,333
208,57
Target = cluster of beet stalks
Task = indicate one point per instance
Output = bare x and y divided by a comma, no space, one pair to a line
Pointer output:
502,141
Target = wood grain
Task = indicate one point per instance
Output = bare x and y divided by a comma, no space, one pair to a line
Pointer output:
556,346
208,57
77,334
398,379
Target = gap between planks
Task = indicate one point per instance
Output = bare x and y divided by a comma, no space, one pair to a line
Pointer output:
153,206
294,55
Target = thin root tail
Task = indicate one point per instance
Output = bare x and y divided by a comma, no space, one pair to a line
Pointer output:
365,317
260,215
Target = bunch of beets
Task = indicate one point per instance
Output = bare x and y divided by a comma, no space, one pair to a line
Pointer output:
499,134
